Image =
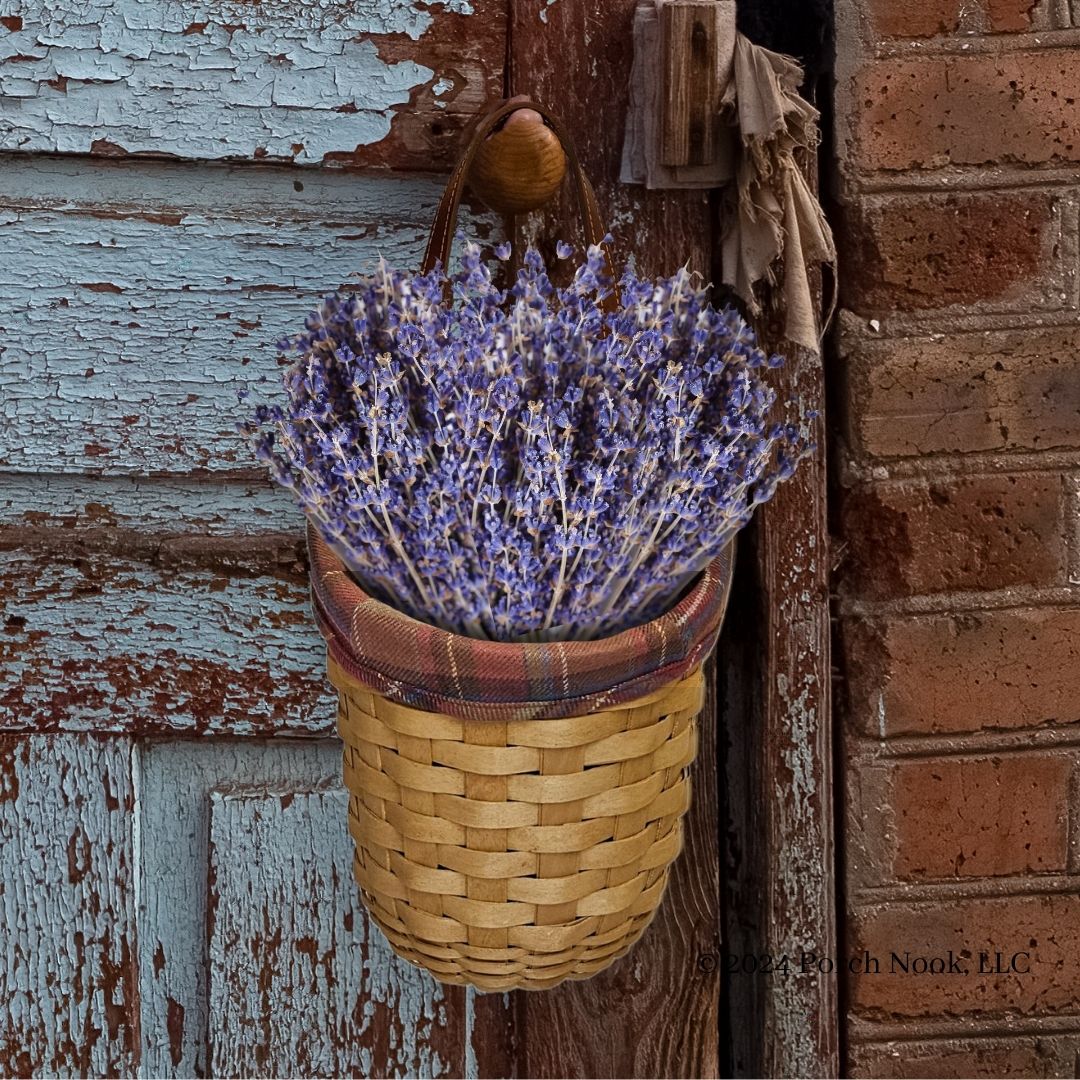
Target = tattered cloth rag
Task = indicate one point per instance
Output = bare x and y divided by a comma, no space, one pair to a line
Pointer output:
773,229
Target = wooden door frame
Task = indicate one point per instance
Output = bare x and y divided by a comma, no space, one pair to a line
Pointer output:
780,865
779,882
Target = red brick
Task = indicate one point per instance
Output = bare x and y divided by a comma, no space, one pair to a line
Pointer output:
915,18
1018,390
981,817
1009,15
959,533
917,253
1047,927
945,674
974,1059
927,18
967,110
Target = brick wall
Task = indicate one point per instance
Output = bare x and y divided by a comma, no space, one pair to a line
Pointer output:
957,467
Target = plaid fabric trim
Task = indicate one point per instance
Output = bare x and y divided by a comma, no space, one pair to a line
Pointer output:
431,669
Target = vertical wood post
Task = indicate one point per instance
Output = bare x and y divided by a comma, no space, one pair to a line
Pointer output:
780,880
689,43
796,822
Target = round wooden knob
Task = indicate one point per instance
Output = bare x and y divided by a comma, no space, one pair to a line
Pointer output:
519,167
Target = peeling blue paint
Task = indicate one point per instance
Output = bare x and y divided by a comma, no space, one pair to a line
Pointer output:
226,80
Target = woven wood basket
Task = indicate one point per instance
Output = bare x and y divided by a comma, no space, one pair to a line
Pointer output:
516,808
516,854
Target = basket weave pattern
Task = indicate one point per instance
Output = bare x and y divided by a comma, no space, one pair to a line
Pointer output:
516,854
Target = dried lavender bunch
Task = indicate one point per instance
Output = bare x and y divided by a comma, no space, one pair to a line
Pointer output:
522,464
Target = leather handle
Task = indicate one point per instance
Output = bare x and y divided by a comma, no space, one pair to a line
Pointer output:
442,230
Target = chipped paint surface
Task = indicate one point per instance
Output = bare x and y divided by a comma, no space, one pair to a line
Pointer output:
208,80
67,978
207,506
101,641
798,725
128,328
124,867
176,778
286,926
246,847
182,905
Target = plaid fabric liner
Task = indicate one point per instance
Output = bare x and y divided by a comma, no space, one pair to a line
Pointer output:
424,667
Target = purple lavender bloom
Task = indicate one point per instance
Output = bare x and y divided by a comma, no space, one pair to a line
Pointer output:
520,463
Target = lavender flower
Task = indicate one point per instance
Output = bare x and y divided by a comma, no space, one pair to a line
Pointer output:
521,464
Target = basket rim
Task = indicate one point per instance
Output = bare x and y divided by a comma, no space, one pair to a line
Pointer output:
417,663
721,567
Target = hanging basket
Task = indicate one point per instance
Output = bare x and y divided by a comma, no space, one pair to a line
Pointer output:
516,808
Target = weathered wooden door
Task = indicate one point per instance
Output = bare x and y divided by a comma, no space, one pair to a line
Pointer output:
179,182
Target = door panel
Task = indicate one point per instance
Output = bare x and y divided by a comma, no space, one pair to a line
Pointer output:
67,906
255,953
299,983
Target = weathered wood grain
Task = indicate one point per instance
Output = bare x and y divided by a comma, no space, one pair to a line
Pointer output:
780,887
299,983
373,82
264,824
493,1049
796,825
120,631
68,995
175,781
207,506
690,38
135,301
656,1012
794,836
576,57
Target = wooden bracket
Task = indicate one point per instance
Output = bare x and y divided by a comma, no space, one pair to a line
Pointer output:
692,36
684,53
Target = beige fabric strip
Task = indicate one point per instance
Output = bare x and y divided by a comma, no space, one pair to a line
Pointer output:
774,232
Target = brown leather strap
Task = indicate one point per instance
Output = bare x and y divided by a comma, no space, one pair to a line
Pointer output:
442,231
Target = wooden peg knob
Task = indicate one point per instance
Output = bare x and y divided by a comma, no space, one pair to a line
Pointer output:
519,167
